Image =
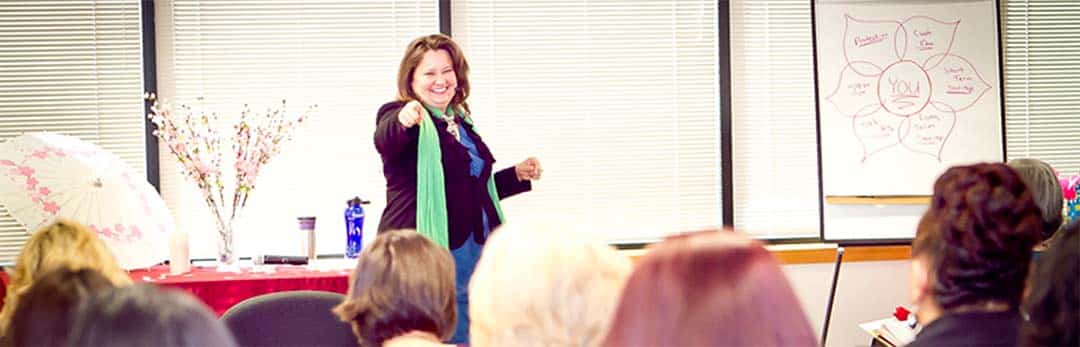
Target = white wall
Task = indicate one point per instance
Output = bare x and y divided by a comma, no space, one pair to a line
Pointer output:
867,291
849,222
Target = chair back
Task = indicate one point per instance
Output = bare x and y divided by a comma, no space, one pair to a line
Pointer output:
294,318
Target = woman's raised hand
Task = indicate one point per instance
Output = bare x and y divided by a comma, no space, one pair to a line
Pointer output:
529,169
411,114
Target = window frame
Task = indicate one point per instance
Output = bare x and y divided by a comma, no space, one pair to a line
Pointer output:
724,68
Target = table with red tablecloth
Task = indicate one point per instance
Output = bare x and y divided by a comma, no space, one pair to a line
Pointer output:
221,290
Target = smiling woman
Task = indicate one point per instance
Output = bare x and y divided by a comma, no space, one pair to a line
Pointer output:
434,81
439,177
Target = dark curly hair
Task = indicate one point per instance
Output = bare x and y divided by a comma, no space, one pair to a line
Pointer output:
1054,301
978,236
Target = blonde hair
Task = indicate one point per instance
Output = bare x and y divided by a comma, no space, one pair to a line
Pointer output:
544,286
64,244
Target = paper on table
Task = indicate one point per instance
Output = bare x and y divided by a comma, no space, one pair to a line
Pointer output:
890,331
874,328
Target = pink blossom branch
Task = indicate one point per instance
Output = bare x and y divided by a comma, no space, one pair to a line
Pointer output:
192,138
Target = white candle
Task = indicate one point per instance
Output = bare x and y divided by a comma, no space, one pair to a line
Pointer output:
310,251
179,259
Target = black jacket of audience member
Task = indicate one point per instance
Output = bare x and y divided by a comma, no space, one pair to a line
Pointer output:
466,196
971,329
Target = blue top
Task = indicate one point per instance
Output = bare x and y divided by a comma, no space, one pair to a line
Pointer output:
477,163
466,256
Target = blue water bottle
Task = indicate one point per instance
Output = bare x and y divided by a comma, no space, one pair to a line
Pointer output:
354,226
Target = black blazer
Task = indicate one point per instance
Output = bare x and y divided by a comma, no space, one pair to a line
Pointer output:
971,329
466,196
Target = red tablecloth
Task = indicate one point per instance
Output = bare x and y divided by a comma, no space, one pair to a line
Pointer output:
222,290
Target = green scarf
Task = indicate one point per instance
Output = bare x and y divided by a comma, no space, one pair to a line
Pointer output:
431,184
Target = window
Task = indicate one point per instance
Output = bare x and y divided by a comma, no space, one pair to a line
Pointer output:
341,55
1042,81
619,101
773,119
75,68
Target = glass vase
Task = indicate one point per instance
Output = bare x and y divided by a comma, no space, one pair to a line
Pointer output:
225,246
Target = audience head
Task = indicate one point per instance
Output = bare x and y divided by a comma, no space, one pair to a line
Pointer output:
1053,305
403,283
973,245
43,317
709,288
537,285
1045,189
144,315
64,244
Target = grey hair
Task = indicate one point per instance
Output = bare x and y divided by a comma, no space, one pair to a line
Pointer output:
1045,189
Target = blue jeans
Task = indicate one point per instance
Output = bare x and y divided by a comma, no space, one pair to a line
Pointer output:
465,258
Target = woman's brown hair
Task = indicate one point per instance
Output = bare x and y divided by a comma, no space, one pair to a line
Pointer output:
402,282
414,53
46,309
1053,306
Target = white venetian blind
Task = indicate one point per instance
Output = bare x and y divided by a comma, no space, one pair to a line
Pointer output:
75,68
618,99
773,119
1042,81
341,55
